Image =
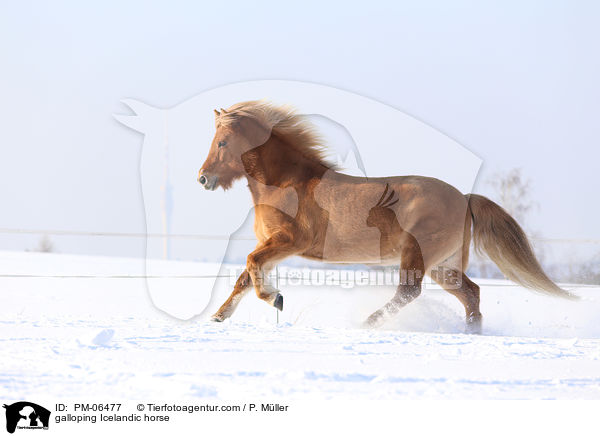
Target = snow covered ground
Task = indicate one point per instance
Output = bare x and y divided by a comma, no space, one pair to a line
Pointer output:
88,337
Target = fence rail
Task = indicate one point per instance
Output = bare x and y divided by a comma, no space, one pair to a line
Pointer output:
210,237
277,277
120,234
55,232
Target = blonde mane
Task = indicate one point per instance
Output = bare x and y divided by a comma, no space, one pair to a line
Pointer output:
284,122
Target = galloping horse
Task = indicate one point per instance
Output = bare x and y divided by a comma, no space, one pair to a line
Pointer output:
305,207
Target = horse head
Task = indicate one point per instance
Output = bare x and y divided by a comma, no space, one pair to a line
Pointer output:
235,135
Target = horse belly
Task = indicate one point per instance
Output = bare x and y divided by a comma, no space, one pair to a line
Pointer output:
350,241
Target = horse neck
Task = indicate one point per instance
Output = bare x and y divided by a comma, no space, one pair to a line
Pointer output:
278,164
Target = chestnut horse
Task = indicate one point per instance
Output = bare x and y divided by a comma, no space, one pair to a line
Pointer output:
305,207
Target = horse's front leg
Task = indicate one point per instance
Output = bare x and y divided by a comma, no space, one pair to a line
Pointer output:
263,259
242,286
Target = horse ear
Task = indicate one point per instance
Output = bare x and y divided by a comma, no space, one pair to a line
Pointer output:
223,111
217,114
142,111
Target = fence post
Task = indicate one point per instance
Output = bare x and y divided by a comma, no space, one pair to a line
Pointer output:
277,286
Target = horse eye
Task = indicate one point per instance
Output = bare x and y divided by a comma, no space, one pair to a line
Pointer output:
222,143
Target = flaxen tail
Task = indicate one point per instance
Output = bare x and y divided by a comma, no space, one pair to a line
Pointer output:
496,233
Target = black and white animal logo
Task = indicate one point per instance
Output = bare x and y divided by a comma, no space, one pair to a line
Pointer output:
26,415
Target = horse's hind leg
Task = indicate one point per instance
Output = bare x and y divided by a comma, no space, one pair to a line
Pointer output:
411,276
467,293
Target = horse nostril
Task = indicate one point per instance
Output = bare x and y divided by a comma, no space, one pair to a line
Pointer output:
202,180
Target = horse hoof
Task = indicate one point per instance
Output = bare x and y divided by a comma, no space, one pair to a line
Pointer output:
278,303
375,320
473,328
366,324
217,318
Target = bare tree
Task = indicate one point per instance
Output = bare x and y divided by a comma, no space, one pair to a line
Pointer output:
45,245
513,193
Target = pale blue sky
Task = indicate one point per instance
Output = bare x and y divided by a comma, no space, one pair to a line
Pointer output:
515,82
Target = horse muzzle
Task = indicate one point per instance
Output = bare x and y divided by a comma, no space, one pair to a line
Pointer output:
209,182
